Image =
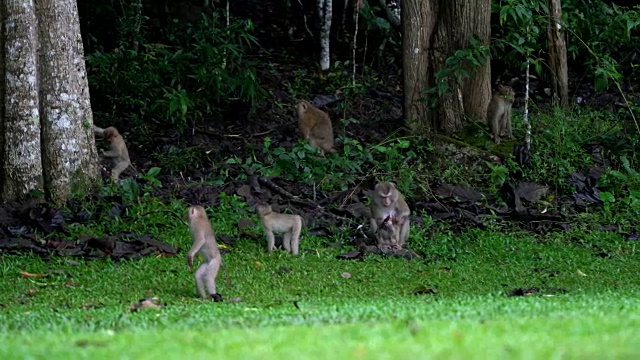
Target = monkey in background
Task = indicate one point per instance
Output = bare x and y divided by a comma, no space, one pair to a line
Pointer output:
389,216
117,150
315,126
204,243
499,112
290,225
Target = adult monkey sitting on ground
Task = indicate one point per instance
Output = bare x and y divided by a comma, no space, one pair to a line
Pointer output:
389,217
315,126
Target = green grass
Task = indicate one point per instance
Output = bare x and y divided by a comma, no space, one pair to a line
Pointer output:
580,326
305,307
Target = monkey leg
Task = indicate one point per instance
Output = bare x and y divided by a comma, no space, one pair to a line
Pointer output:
200,274
210,274
119,168
373,225
286,241
271,241
404,232
295,239
508,119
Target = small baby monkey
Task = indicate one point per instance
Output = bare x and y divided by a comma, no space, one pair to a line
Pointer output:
117,150
389,216
204,242
499,112
315,126
290,225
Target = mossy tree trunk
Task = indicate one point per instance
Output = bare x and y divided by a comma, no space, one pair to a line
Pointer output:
19,116
69,153
433,31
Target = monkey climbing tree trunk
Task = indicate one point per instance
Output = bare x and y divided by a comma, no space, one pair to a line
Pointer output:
21,169
558,55
433,31
69,152
325,12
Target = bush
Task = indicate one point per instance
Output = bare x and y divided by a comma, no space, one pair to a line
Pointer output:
193,74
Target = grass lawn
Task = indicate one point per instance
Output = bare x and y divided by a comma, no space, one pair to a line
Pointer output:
316,307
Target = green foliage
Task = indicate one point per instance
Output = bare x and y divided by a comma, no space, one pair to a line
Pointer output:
176,160
597,33
130,189
190,76
622,198
558,144
337,79
601,28
522,28
331,172
498,176
461,65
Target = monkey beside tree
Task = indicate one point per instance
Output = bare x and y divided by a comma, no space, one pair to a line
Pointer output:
499,112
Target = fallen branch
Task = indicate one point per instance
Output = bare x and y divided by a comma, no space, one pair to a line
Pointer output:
266,182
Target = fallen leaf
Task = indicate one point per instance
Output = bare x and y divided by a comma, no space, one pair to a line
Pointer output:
31,275
581,273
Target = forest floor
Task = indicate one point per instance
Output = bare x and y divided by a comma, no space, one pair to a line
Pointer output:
497,295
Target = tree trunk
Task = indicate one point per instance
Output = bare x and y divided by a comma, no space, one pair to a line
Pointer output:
457,21
558,55
418,22
70,159
20,160
325,11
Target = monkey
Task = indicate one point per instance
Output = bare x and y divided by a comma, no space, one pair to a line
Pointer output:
98,131
204,242
290,225
315,126
117,150
499,112
389,216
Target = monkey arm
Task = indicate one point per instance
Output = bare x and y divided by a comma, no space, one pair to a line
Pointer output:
194,250
305,130
110,154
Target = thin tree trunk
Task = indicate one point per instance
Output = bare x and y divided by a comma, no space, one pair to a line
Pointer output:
418,23
325,11
70,160
558,55
21,163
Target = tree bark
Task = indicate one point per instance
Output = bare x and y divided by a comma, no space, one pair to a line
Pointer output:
418,22
459,20
21,162
70,160
443,27
558,55
325,11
